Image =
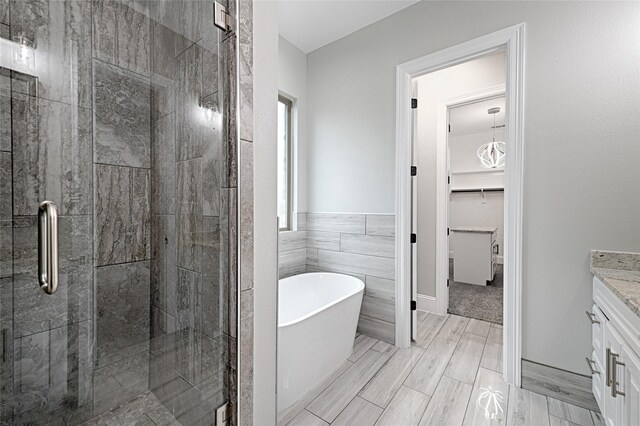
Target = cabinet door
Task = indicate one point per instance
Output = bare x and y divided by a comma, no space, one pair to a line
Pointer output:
612,404
597,334
629,377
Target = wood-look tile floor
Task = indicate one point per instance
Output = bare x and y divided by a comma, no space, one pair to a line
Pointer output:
452,375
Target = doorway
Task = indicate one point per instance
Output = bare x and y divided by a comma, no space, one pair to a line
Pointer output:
510,41
475,209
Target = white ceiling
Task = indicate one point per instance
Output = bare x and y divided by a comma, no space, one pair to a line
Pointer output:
474,118
311,24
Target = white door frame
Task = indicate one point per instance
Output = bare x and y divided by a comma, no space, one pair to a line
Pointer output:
512,40
442,190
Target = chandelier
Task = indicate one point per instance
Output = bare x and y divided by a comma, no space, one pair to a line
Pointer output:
491,154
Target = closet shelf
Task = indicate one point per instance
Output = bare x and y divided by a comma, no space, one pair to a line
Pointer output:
477,172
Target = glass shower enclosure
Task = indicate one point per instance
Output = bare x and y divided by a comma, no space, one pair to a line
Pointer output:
119,114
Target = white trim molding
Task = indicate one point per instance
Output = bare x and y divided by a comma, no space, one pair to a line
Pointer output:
510,40
426,303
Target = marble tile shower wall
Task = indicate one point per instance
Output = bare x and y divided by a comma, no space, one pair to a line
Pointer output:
246,164
362,245
146,184
47,362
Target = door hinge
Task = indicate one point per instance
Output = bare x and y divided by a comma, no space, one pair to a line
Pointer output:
448,180
447,282
414,238
414,103
414,170
447,231
414,305
223,414
449,128
221,18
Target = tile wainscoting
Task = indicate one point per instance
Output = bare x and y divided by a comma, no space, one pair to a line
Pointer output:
292,248
358,244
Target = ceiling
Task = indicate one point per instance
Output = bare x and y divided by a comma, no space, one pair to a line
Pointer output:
474,118
311,24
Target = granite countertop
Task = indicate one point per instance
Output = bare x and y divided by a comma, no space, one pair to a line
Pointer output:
621,273
480,229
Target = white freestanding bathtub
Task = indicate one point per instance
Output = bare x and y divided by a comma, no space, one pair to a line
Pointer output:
317,320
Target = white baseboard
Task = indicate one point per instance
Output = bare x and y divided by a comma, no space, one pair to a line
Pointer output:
426,303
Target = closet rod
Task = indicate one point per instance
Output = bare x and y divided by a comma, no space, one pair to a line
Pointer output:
479,190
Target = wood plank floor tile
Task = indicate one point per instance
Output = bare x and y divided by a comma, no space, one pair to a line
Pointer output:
448,404
381,346
489,400
478,327
453,327
428,329
492,355
285,416
381,389
569,412
360,346
527,408
359,412
439,384
339,394
422,315
305,418
406,408
426,374
465,360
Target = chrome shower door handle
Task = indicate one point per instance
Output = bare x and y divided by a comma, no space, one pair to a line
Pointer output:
48,246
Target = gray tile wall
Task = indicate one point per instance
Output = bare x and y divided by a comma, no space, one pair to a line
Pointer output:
245,165
193,212
292,248
45,153
362,245
121,201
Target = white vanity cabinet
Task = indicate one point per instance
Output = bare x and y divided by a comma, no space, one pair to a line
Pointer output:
614,362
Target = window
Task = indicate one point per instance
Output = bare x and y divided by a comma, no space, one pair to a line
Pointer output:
284,163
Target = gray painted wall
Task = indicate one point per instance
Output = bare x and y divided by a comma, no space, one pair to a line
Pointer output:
582,109
265,95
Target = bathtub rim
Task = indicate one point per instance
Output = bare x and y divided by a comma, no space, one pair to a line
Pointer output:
361,287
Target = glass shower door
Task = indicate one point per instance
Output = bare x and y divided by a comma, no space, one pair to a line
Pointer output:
117,111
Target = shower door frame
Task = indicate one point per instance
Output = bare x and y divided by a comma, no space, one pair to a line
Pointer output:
511,40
